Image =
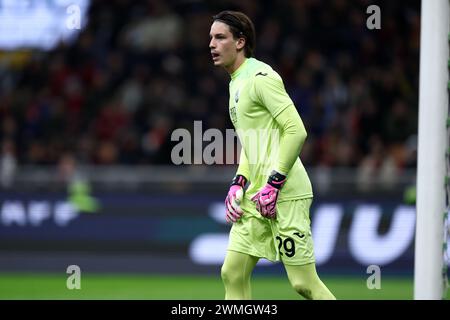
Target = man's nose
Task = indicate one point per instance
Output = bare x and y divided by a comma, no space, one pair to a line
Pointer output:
212,44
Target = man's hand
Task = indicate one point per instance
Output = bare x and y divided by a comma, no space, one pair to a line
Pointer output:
266,198
233,212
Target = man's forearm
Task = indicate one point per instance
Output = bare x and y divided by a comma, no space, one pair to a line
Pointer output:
243,168
293,136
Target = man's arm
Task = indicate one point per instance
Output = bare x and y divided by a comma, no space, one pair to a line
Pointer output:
293,136
269,91
243,168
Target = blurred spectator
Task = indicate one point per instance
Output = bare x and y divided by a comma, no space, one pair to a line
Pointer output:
160,29
8,163
378,168
78,188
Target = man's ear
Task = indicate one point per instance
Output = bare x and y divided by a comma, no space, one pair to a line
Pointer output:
240,44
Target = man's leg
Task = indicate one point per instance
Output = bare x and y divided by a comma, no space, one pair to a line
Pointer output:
306,282
236,273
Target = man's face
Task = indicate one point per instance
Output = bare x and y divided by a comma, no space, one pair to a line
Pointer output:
224,48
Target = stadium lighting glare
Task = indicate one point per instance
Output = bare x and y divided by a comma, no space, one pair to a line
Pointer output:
40,24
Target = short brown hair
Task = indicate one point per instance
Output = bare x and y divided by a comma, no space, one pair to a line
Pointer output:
240,26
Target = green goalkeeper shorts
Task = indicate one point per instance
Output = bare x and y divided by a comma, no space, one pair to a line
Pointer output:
287,238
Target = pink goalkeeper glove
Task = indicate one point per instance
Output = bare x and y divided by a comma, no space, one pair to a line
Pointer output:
266,198
233,212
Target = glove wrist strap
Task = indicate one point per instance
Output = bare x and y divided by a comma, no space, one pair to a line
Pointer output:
276,179
239,180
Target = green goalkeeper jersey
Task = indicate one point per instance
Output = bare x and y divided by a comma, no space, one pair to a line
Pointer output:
257,98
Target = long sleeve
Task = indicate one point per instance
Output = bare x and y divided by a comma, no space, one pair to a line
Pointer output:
243,168
292,137
269,92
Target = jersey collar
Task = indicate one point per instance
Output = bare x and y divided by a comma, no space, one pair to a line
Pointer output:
235,74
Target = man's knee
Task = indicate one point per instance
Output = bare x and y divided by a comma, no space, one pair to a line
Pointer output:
226,273
230,276
312,290
303,289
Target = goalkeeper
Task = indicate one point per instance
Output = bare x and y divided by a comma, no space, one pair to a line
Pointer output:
271,218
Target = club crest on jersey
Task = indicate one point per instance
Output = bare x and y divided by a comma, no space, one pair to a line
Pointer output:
233,115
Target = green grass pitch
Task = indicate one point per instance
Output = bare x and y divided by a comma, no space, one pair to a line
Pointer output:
165,287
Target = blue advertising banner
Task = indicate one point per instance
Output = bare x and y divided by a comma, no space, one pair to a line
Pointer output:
348,234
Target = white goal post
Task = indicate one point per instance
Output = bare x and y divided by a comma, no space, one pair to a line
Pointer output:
432,147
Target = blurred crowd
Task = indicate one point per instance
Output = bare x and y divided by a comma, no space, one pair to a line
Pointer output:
140,69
